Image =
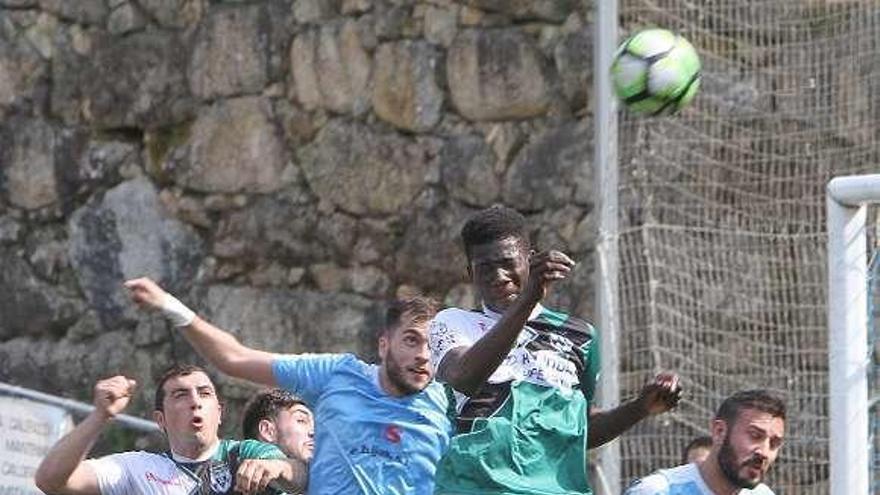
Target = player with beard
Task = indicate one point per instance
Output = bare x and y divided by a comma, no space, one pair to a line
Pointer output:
188,410
747,433
380,429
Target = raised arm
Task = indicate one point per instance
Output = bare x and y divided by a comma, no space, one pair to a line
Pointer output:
63,470
468,368
219,347
657,396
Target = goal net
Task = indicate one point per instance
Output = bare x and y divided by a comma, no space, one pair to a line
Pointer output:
722,217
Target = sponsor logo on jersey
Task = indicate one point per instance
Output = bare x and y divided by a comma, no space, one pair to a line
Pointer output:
220,477
155,478
392,433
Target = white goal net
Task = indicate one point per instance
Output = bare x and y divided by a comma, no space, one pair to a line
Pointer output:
722,217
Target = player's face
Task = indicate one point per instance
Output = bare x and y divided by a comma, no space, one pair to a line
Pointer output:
191,411
750,447
499,271
296,432
406,359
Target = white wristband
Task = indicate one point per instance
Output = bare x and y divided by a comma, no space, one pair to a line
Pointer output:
176,312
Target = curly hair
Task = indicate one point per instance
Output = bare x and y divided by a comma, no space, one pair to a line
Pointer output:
494,224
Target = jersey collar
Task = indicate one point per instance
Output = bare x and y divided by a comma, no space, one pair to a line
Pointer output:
497,316
204,457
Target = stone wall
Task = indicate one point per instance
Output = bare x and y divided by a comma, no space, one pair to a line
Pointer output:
282,166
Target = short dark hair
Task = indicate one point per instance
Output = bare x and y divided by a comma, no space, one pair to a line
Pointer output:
701,442
266,405
418,308
173,372
758,399
494,224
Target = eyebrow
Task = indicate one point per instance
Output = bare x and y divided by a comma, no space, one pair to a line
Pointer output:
199,388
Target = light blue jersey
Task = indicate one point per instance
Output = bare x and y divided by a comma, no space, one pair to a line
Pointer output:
367,441
682,480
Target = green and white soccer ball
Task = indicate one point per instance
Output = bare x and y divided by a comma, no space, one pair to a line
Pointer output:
656,72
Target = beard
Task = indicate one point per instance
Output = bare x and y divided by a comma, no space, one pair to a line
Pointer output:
730,467
397,376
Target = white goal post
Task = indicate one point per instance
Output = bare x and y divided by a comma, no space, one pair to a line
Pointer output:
847,201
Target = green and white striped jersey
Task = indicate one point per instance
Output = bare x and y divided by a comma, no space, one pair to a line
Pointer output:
525,432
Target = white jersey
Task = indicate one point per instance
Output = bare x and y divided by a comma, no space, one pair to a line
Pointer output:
682,480
141,472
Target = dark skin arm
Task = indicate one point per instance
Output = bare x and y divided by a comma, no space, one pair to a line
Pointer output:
468,368
658,396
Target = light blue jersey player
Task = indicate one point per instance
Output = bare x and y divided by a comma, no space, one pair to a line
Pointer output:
747,433
367,440
380,429
683,480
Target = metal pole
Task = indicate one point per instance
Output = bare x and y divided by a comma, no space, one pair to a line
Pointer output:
606,179
848,331
77,407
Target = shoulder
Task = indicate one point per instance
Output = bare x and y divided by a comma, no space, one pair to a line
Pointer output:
315,359
685,477
761,489
563,320
456,315
125,460
251,449
654,484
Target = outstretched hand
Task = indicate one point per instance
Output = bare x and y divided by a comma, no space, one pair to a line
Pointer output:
661,394
112,395
146,293
545,268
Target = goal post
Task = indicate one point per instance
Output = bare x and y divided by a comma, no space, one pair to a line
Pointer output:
847,200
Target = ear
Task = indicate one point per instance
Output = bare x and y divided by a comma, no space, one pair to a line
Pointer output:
383,345
719,431
159,418
266,429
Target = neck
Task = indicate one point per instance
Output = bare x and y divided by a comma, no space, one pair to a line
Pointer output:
193,450
710,471
387,385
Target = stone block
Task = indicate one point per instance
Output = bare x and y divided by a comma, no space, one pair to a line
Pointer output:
406,90
497,74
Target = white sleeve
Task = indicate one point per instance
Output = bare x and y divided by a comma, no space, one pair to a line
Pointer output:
655,484
112,473
448,330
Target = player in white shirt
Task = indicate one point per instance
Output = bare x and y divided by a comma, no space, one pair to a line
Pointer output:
188,411
747,433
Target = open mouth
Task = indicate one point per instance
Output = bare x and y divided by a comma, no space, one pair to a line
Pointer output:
197,422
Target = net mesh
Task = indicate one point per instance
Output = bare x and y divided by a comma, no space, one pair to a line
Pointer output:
722,245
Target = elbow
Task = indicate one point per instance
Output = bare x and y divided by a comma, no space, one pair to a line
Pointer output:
460,383
45,482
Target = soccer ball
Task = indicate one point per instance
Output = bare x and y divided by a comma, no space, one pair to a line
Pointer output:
656,72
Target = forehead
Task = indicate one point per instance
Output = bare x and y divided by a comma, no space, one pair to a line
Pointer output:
508,247
299,409
408,324
774,426
196,379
